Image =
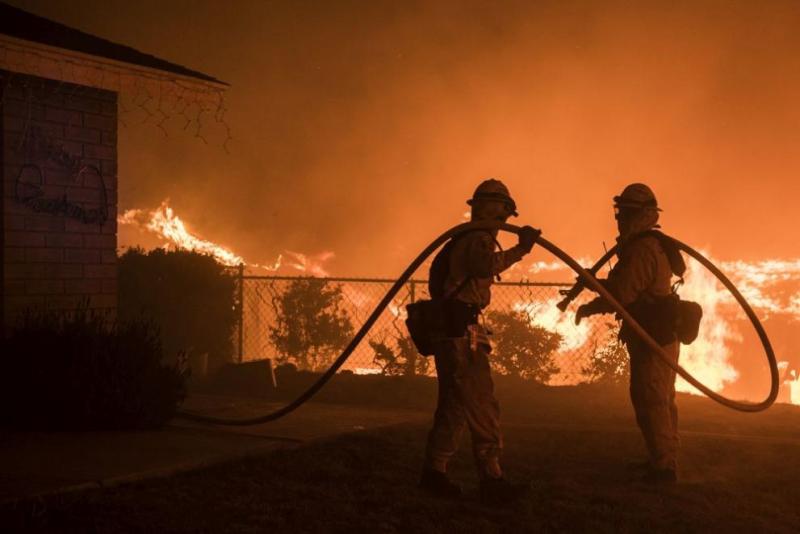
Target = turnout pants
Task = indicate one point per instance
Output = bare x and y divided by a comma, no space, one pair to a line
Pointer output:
466,400
652,391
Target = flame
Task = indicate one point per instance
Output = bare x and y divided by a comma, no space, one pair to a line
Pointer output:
771,286
544,313
164,223
398,310
708,358
753,279
554,266
794,387
309,264
545,266
366,371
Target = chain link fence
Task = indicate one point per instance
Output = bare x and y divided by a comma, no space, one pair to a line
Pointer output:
308,321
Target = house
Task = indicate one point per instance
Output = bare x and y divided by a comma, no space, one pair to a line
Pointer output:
59,112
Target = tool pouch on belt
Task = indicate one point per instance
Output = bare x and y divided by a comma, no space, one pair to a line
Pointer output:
687,324
657,315
425,323
665,318
431,320
442,316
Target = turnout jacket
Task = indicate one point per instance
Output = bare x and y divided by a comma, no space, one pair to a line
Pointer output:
643,271
642,282
475,256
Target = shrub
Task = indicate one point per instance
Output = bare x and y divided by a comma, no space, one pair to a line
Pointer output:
190,297
522,349
310,325
608,363
81,371
401,359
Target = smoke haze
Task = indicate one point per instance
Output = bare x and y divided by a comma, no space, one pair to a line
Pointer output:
361,127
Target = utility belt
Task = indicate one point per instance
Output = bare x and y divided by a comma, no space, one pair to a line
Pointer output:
656,315
666,319
429,321
458,316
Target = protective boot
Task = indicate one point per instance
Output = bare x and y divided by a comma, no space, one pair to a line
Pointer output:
437,483
501,492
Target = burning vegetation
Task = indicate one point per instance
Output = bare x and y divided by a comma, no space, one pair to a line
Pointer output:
172,231
722,357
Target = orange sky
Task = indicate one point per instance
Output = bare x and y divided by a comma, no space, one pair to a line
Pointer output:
361,127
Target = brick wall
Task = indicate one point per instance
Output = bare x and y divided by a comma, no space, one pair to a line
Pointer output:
59,202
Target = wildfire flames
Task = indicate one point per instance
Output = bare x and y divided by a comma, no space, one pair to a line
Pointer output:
753,279
708,358
165,224
794,387
771,287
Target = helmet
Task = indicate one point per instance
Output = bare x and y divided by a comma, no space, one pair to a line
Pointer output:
637,196
492,189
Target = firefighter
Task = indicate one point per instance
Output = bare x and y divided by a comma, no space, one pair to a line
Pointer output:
642,282
466,391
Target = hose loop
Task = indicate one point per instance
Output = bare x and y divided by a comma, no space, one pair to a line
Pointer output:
589,280
585,277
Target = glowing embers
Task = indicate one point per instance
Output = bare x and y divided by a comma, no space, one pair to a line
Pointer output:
164,223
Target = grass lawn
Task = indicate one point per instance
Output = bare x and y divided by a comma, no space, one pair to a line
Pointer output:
740,472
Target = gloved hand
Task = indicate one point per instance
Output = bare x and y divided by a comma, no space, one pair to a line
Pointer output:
584,310
527,237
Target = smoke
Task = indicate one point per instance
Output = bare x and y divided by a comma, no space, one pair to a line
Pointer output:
362,128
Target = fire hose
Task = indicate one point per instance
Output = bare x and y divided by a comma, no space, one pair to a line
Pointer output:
586,279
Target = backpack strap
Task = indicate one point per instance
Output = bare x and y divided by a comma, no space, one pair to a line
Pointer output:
458,288
496,242
447,250
673,253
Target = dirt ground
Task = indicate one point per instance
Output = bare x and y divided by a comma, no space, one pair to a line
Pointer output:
739,473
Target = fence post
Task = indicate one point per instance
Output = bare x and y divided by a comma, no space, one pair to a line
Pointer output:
412,296
241,312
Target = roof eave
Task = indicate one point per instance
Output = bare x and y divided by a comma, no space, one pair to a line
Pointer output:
53,53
